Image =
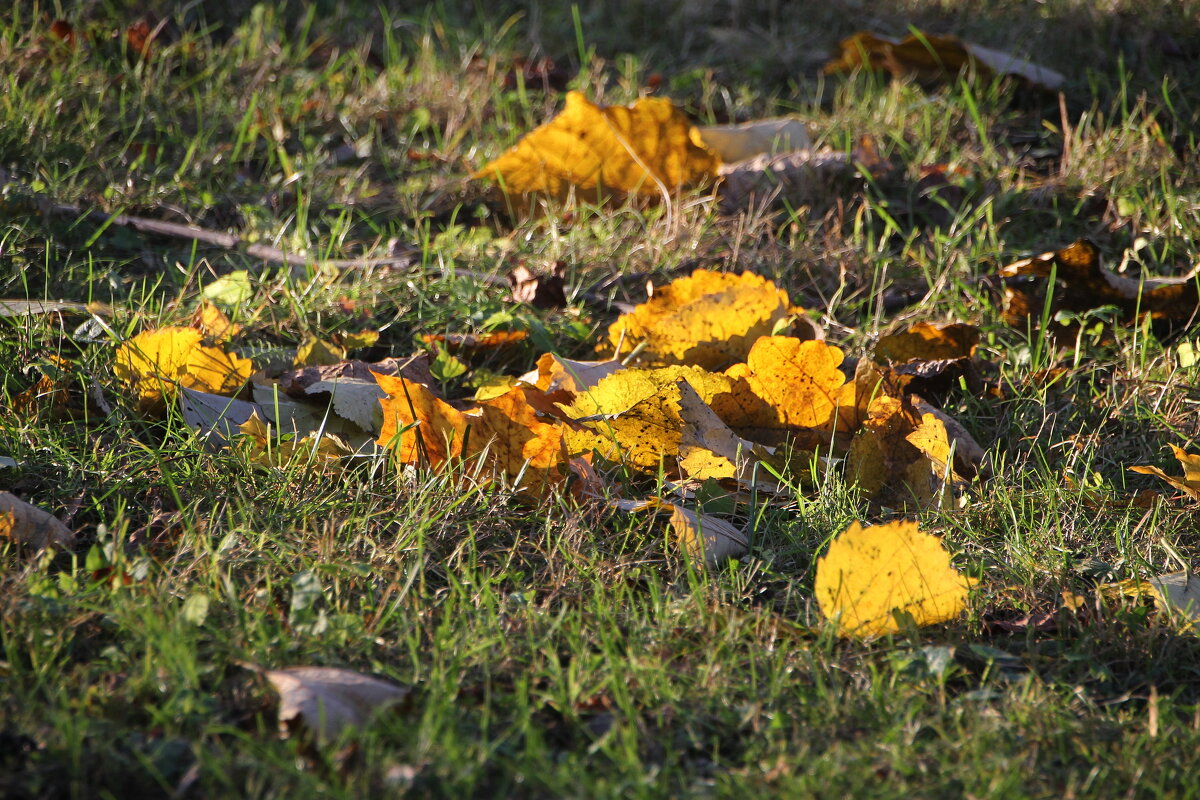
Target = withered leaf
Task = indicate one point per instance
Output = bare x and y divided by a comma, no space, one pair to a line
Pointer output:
30,526
327,701
540,291
1083,284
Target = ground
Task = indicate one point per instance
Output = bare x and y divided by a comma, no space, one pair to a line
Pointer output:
562,648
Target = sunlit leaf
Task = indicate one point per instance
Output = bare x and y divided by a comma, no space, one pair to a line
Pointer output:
1189,482
707,319
869,575
156,362
649,149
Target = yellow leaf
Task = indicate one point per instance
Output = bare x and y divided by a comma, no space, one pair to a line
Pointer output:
708,319
643,416
1189,484
900,455
355,341
418,427
155,362
315,352
928,342
212,322
264,448
511,435
648,149
799,383
699,535
869,574
555,373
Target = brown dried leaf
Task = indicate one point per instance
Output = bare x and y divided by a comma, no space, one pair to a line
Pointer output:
30,526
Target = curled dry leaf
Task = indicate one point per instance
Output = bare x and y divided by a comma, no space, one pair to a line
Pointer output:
699,535
30,526
928,342
708,319
544,291
648,149
1083,284
1189,483
767,137
555,373
327,701
474,342
870,575
793,179
1175,592
928,58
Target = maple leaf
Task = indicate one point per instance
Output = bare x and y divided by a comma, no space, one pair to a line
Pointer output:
1189,484
869,575
708,319
648,149
1084,284
509,434
155,362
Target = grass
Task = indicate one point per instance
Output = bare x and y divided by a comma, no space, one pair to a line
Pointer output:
565,649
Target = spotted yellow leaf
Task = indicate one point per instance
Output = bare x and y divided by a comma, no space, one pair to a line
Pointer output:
870,575
708,319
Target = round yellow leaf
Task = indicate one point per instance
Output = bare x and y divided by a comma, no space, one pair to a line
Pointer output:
869,574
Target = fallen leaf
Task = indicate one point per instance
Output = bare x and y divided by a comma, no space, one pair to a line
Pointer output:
699,535
760,137
515,435
156,362
297,383
1189,483
30,526
902,455
540,291
799,383
212,322
925,341
471,343
648,418
929,57
229,290
262,446
792,180
647,149
1175,592
23,308
1083,284
869,576
328,701
50,395
554,374
215,417
64,32
317,352
707,319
